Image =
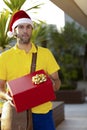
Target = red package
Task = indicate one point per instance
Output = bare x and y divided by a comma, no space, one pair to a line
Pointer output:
31,90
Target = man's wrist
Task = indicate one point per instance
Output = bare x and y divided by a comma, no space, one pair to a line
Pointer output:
55,79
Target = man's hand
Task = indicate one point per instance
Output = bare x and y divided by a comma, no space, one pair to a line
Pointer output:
5,96
8,97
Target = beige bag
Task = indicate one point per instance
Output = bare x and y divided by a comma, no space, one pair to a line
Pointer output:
11,120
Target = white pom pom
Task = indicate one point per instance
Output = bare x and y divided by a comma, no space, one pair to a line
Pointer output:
10,34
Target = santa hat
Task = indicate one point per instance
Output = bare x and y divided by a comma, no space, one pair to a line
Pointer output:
18,18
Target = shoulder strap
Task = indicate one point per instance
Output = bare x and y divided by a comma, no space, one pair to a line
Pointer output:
33,63
29,113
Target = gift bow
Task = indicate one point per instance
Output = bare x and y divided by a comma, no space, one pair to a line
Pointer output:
39,78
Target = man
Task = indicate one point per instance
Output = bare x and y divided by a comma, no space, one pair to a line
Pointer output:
16,62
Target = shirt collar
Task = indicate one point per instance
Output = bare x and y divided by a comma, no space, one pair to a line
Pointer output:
32,50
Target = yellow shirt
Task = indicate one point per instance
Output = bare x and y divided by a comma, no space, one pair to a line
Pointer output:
15,63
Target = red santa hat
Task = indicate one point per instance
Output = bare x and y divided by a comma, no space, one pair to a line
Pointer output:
18,18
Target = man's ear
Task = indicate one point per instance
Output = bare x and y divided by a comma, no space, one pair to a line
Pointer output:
15,32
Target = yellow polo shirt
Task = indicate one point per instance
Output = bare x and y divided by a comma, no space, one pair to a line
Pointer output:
15,63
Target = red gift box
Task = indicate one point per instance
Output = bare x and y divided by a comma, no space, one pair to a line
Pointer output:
27,94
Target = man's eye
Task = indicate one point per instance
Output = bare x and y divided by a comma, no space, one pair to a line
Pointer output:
29,26
20,27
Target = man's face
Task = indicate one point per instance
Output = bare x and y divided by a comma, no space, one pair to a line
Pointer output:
24,33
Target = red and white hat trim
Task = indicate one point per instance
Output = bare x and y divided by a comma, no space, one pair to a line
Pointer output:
16,23
20,21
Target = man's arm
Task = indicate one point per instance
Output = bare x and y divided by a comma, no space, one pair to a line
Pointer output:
56,81
3,94
2,86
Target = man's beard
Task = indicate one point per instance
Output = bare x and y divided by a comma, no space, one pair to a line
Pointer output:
24,39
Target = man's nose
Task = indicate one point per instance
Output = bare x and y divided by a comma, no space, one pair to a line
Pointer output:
25,29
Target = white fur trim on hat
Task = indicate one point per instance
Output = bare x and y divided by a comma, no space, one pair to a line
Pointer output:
10,34
20,21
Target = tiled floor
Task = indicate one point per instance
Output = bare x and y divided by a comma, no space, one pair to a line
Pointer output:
75,117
